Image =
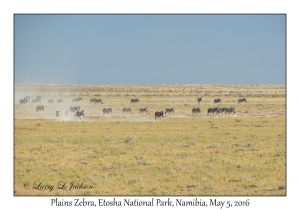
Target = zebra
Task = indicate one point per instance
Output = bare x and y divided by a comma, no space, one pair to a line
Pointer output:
23,101
35,100
92,100
195,112
96,101
212,111
59,101
169,110
143,110
127,111
51,101
74,109
28,99
107,111
77,99
39,109
38,99
159,115
228,111
79,114
217,101
58,115
221,110
199,100
134,101
99,101
242,100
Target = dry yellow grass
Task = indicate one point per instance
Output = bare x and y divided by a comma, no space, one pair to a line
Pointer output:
244,154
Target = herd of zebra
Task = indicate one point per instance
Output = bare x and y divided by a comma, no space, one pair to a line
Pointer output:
108,111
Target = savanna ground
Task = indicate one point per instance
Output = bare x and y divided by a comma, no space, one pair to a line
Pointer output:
241,154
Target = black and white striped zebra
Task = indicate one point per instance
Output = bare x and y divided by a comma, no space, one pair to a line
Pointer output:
195,112
159,115
58,115
221,110
39,109
79,114
134,101
24,101
169,110
74,109
229,111
199,100
212,111
127,111
242,100
217,101
33,99
96,101
77,99
107,111
143,111
36,100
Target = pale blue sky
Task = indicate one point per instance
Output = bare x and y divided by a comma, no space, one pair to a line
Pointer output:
150,49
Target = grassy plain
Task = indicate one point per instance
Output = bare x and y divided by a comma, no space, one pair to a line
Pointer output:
244,154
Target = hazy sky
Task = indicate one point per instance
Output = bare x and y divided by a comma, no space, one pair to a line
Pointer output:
150,49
